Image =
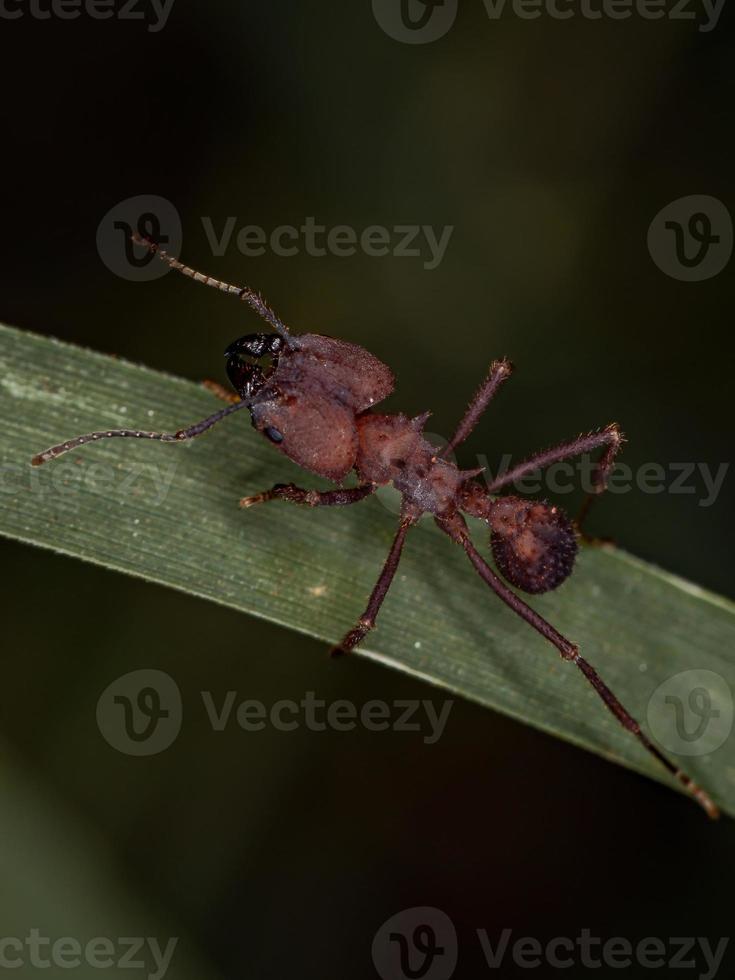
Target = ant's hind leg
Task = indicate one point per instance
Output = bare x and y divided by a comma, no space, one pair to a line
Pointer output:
610,439
600,477
456,528
312,498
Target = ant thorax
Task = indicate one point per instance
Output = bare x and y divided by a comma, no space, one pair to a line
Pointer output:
392,449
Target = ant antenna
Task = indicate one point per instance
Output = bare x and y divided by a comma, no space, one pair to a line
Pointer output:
249,296
179,436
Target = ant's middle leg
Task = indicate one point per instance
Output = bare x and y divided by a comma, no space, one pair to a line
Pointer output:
312,498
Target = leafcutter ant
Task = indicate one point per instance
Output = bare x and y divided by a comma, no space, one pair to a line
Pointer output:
313,398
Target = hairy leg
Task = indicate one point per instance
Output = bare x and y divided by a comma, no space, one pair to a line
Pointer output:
609,440
312,498
457,530
498,372
367,620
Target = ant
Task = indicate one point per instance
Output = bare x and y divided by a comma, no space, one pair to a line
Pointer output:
314,402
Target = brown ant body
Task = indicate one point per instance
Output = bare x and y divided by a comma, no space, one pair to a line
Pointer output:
314,402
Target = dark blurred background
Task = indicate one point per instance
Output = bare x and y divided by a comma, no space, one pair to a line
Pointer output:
550,146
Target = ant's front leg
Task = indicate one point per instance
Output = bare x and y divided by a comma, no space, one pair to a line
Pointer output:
497,374
312,498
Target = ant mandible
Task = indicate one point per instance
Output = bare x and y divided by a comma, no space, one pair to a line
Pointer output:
314,402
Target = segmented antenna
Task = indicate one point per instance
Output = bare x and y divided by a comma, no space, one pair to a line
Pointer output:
249,296
179,436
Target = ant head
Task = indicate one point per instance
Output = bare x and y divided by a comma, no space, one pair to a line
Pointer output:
307,403
534,544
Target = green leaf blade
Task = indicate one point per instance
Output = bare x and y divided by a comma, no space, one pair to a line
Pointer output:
168,514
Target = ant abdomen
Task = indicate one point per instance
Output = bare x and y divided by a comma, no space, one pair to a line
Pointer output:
534,544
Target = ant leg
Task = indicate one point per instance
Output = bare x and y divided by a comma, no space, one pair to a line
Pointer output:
312,498
600,476
498,372
610,439
219,391
456,528
367,620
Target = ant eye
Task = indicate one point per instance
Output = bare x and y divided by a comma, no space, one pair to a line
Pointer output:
273,434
